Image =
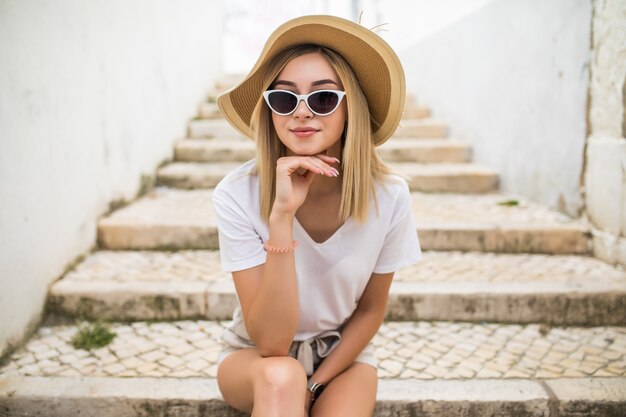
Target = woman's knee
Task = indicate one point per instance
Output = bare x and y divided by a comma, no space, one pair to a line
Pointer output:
279,373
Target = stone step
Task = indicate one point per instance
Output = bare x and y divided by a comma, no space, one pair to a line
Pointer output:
452,178
415,111
200,397
394,150
219,128
426,128
411,111
183,219
214,150
464,178
425,150
452,286
432,369
209,111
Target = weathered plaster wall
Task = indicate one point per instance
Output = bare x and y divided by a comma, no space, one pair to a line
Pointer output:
605,176
512,78
92,96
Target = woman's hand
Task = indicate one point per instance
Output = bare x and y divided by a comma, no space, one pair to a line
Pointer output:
294,175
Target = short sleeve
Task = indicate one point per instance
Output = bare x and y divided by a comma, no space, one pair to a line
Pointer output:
241,246
401,245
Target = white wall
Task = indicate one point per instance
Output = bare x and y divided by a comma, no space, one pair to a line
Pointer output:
512,78
405,22
248,24
605,179
92,95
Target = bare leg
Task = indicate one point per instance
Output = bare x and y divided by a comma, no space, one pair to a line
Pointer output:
351,393
265,387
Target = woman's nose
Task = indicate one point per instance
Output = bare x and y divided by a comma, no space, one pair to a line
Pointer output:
302,110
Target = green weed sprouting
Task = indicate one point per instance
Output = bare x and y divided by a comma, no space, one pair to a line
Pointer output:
508,203
92,335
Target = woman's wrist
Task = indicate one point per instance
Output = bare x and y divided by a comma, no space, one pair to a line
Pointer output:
281,216
281,231
280,249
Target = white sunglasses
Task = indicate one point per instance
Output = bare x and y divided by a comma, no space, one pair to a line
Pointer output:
321,102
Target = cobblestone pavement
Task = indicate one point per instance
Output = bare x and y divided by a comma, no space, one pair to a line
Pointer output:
150,266
406,350
494,267
202,265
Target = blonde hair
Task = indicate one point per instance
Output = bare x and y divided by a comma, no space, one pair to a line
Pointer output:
362,166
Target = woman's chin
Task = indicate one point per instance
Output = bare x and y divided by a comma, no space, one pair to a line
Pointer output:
304,151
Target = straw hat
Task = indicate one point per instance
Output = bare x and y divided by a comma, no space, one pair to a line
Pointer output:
375,64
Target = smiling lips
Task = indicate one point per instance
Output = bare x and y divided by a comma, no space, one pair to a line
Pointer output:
304,132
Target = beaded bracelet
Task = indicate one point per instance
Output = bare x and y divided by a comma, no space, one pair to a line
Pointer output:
286,249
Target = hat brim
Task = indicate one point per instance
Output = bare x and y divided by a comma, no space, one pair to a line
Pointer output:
377,68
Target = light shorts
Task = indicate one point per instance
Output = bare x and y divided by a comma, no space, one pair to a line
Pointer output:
310,353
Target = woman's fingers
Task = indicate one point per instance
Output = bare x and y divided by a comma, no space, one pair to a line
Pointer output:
325,162
328,162
328,159
310,163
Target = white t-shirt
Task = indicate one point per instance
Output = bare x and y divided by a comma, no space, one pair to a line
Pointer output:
332,275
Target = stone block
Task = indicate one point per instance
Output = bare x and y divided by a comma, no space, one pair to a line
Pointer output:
556,303
221,300
593,397
561,239
609,247
474,398
605,184
129,300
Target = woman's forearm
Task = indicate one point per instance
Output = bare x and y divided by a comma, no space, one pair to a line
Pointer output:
356,335
273,315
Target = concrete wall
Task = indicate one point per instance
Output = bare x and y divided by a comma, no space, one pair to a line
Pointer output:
605,177
92,96
512,78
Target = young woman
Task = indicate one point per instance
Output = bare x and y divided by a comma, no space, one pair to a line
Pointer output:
314,228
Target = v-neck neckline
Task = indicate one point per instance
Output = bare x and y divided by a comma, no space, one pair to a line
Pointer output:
330,238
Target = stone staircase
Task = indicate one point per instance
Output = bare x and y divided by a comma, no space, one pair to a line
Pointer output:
506,315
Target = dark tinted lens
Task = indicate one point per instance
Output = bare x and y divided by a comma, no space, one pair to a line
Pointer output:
323,102
282,102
